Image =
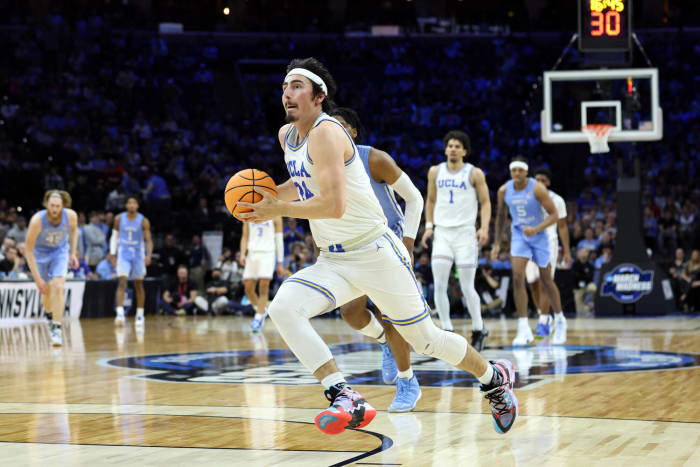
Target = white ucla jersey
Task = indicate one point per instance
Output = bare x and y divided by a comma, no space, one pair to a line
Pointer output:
363,213
456,204
261,236
560,206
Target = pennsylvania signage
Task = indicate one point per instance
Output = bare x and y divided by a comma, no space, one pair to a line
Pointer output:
22,300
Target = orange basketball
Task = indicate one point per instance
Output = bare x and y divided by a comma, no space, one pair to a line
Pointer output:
240,188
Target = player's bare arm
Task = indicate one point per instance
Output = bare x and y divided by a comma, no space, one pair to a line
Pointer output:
33,231
244,244
384,169
329,148
73,235
430,199
545,200
279,246
478,180
564,235
146,226
500,222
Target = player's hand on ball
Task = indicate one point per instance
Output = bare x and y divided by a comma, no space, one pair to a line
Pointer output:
264,210
529,231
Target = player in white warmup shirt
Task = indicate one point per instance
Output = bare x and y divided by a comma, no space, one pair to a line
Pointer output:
532,272
262,247
359,256
450,209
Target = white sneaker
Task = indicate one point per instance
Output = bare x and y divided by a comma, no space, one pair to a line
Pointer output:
56,336
559,336
119,320
140,321
523,337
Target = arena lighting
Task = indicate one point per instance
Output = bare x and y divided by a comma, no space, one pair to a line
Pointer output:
226,11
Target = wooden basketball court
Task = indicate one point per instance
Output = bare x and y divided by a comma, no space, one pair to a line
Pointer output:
205,391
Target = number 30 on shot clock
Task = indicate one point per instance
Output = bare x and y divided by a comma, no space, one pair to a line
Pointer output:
604,25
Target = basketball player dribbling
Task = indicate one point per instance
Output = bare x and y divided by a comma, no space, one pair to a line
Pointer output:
132,244
527,199
359,256
450,208
386,177
532,272
49,254
259,242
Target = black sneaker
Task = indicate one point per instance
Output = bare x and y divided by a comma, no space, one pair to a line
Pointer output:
478,338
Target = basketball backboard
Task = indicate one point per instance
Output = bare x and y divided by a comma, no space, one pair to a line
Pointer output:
628,99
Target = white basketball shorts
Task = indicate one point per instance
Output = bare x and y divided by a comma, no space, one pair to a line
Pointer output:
456,244
259,265
532,271
380,269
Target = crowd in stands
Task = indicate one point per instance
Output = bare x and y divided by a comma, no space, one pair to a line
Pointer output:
105,114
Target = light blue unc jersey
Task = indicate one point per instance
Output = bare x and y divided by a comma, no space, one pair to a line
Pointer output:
385,196
131,244
525,209
52,238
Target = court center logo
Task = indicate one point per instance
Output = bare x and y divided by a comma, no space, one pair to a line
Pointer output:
627,283
361,364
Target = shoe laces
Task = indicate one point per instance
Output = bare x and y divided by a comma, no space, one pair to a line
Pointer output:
342,394
498,401
401,388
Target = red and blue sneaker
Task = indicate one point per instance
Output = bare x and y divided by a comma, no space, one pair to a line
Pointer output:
504,404
348,409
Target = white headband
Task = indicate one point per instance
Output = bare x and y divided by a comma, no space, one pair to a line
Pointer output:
309,74
518,165
56,194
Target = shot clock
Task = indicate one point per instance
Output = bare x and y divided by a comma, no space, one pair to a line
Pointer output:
604,25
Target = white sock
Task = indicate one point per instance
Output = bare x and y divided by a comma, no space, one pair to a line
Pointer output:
488,376
545,319
120,311
333,379
258,315
406,374
139,312
522,323
559,317
374,329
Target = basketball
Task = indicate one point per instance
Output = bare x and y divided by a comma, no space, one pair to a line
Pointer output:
240,187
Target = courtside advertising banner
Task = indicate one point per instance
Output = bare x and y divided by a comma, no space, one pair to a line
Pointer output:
22,300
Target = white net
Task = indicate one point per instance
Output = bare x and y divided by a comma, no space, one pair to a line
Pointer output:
598,137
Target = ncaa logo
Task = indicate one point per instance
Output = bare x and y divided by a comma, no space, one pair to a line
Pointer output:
627,283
